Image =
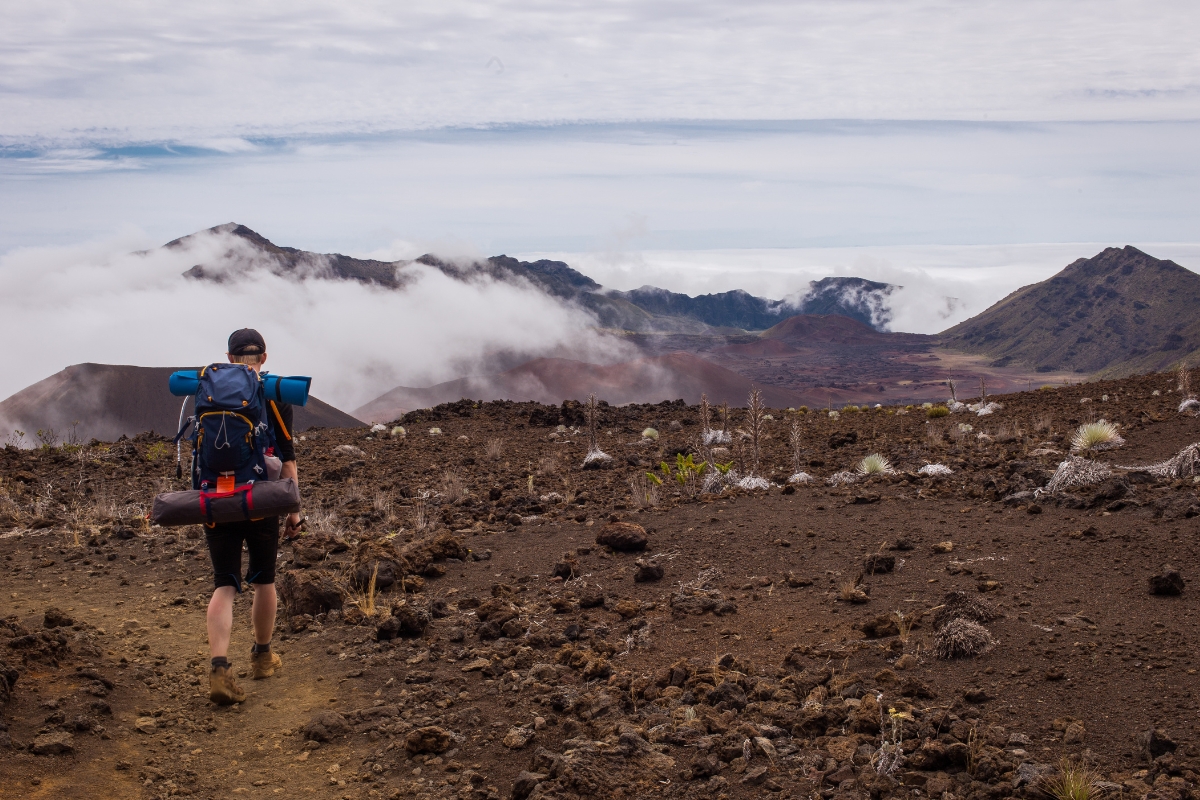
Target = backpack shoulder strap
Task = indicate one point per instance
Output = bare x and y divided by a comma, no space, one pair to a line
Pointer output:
279,418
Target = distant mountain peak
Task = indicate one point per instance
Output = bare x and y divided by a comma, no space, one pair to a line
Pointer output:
1117,313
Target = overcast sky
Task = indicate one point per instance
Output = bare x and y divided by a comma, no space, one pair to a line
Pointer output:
528,125
647,140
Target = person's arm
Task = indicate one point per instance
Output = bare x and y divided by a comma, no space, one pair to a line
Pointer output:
285,448
292,526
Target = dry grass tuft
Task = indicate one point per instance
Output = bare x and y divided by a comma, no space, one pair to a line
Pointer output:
851,592
421,511
365,601
453,488
643,491
1074,781
494,449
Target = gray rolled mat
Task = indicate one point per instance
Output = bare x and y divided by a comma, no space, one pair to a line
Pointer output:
265,499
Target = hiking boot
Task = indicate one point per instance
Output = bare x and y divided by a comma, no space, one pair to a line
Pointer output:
223,689
263,665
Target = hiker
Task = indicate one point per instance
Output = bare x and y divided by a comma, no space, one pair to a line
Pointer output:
261,538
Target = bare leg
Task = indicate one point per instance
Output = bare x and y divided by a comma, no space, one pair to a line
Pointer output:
220,620
262,612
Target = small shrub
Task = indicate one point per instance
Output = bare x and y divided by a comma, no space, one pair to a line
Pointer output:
398,432
435,431
651,434
157,451
960,605
937,411
875,464
1096,436
961,638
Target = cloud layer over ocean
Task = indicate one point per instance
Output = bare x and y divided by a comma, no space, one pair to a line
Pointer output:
219,74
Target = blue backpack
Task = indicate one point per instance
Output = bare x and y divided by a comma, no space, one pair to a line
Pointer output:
232,436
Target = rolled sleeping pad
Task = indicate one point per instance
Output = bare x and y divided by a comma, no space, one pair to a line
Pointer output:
184,383
293,389
254,501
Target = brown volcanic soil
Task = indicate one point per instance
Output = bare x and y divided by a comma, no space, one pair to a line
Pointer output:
633,695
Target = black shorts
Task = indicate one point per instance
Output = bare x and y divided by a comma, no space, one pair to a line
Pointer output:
225,549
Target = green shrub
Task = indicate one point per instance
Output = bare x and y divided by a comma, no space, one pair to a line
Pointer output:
937,411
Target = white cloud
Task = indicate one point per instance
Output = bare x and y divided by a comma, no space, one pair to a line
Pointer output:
120,70
942,284
103,303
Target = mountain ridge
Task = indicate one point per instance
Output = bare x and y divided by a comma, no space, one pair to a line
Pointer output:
648,308
1118,313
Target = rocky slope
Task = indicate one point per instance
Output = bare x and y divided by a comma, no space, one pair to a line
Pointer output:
1120,312
539,630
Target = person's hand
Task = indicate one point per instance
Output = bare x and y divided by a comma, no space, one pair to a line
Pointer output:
293,527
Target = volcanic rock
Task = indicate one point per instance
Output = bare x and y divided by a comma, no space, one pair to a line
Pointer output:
1167,582
625,537
430,739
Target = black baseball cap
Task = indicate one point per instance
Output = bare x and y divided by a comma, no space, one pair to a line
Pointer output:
246,342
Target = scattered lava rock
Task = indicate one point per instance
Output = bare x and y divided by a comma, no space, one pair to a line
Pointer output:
324,725
647,570
306,592
430,739
878,563
56,618
1167,582
625,537
406,621
57,743
841,439
1156,742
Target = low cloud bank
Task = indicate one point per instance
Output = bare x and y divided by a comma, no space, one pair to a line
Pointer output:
106,302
